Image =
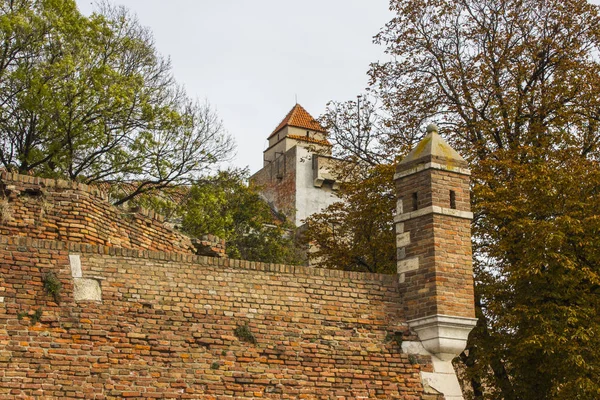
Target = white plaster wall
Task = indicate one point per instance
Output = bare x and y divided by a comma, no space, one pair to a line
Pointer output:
309,199
280,143
294,130
280,135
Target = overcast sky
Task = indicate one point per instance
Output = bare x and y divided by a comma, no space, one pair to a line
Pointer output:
251,58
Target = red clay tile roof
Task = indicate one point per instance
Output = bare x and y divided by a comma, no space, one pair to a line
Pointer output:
299,118
309,139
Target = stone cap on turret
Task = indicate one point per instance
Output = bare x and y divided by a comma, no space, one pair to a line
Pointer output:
434,150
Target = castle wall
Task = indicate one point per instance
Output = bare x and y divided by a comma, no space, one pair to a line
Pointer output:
289,184
83,316
165,327
278,145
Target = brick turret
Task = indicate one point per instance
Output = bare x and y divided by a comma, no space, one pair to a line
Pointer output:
434,245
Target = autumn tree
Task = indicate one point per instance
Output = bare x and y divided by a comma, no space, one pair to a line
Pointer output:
515,87
91,99
357,233
224,205
538,276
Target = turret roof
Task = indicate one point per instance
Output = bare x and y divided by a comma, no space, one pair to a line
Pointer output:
299,118
432,145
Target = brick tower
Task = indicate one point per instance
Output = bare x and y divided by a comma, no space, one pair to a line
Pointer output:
433,228
298,176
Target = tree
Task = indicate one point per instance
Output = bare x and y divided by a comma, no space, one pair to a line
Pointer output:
346,231
357,233
90,99
225,206
538,272
358,130
497,74
514,85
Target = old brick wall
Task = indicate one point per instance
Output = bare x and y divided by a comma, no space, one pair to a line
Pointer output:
72,212
165,328
277,182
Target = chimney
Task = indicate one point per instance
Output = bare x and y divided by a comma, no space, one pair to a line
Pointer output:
433,228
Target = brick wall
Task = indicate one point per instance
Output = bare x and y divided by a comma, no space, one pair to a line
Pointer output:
454,271
73,212
277,183
165,328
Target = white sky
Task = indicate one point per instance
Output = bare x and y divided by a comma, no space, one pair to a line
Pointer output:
250,58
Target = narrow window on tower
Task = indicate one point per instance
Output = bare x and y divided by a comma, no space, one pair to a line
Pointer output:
453,199
415,201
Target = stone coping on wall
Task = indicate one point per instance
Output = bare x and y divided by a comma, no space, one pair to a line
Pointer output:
83,248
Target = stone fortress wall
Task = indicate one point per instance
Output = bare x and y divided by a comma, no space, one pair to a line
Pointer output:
96,304
139,315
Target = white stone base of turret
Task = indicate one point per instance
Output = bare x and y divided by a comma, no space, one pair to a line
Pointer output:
443,379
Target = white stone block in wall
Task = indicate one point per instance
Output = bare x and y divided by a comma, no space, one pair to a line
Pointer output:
85,289
75,261
446,383
403,239
403,266
399,207
410,264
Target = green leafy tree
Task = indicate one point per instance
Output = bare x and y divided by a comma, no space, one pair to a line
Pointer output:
225,206
515,87
90,99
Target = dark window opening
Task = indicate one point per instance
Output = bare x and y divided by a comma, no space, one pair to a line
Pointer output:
415,201
453,199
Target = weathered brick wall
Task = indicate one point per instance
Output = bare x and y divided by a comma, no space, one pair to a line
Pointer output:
441,284
165,329
455,291
277,182
73,212
420,295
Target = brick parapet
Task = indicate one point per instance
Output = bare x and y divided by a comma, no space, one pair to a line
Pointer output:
33,182
82,248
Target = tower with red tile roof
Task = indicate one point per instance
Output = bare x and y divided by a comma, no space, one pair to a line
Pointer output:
297,176
297,128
